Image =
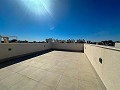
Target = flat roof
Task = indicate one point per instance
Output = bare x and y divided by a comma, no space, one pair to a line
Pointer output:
56,70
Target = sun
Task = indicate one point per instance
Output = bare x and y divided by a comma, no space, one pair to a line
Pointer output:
38,7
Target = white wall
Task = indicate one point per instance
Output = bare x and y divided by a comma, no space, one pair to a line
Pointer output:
26,48
117,45
68,46
21,49
109,70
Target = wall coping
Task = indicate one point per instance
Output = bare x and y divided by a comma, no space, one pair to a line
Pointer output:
20,43
105,47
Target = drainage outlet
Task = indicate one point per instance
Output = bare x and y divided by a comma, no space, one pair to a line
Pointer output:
9,49
100,60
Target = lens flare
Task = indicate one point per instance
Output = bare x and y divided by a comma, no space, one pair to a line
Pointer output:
38,7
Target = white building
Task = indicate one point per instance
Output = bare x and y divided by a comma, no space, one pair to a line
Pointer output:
49,40
117,45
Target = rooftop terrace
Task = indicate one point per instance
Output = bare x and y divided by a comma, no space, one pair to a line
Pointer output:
56,70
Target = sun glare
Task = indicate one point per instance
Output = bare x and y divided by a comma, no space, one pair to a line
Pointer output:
38,7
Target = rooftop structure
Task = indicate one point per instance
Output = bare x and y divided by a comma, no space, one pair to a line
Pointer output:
117,45
6,38
50,40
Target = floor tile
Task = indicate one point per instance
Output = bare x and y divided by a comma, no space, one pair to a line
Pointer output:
27,71
38,75
5,73
10,81
71,73
51,79
41,86
36,64
67,83
17,67
89,85
25,84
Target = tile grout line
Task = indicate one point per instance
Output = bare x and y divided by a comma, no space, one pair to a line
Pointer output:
17,71
59,81
20,80
24,75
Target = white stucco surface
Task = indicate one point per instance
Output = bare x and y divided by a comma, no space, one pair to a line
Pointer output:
26,48
68,46
21,49
117,45
109,70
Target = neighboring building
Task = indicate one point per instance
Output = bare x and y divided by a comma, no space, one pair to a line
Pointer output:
13,41
49,40
59,41
6,39
71,41
55,40
117,45
99,43
89,42
63,41
80,41
106,43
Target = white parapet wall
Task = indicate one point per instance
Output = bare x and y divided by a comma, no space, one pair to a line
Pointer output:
106,61
16,49
68,46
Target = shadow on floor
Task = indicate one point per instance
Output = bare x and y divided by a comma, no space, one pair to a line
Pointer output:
12,61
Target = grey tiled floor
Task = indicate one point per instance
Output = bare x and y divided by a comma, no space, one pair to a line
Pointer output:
56,70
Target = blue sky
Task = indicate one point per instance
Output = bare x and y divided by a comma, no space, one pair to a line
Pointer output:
68,19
